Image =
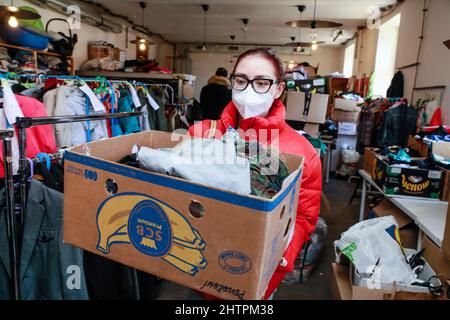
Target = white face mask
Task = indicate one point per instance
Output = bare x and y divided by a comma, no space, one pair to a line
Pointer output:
251,104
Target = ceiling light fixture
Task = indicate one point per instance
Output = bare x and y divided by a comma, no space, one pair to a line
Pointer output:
12,22
205,8
313,33
142,43
301,9
245,21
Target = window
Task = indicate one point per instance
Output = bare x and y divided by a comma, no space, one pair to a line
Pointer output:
348,60
386,55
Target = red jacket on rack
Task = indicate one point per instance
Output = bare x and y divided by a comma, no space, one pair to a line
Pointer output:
291,142
39,138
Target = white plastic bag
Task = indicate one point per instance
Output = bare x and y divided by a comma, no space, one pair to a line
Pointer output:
211,162
376,254
350,156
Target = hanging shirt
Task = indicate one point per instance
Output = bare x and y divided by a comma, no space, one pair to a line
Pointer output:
39,138
129,124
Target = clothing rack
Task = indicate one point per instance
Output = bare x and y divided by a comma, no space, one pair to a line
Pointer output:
11,222
41,77
15,228
15,221
53,156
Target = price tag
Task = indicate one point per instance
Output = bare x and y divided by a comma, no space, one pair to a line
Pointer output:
95,101
10,104
135,97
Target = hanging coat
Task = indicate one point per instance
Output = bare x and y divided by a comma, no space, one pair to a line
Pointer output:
397,86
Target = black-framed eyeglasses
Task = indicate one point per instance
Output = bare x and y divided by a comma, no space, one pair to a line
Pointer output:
260,85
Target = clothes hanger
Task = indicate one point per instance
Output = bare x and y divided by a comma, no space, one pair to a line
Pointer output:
44,156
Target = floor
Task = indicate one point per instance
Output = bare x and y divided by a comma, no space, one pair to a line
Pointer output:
317,287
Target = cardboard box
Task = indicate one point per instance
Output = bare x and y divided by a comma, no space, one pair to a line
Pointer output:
407,181
418,145
370,160
443,149
120,55
445,194
344,287
346,105
100,51
295,107
346,116
392,288
341,289
222,243
437,258
408,231
347,128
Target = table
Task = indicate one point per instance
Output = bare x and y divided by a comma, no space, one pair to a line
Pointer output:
428,214
430,217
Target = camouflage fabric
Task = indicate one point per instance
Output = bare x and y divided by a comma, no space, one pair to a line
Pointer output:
267,172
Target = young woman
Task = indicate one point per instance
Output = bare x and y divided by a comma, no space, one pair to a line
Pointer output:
256,111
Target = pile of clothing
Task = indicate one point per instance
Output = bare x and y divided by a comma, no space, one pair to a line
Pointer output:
143,65
230,163
407,158
20,61
351,96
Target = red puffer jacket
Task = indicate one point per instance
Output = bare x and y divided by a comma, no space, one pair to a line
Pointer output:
289,142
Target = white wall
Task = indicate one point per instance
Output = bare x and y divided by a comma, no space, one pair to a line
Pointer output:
204,65
434,68
89,33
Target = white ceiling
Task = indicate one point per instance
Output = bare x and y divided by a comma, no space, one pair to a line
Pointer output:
182,20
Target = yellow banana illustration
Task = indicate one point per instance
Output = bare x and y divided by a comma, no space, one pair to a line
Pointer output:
186,244
113,216
181,265
191,256
180,226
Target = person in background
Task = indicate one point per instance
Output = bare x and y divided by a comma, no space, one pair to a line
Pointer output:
256,110
215,95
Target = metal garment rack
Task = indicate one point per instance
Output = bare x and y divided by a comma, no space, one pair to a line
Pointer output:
16,221
98,79
11,217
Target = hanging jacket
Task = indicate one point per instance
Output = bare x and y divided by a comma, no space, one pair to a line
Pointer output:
49,268
129,124
397,86
289,142
147,122
399,122
158,116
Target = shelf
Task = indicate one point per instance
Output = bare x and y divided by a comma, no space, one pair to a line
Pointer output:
136,75
41,52
31,50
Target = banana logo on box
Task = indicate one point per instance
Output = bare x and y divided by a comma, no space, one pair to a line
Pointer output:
153,228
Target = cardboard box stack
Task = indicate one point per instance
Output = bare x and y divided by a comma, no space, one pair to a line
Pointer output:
222,243
346,110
